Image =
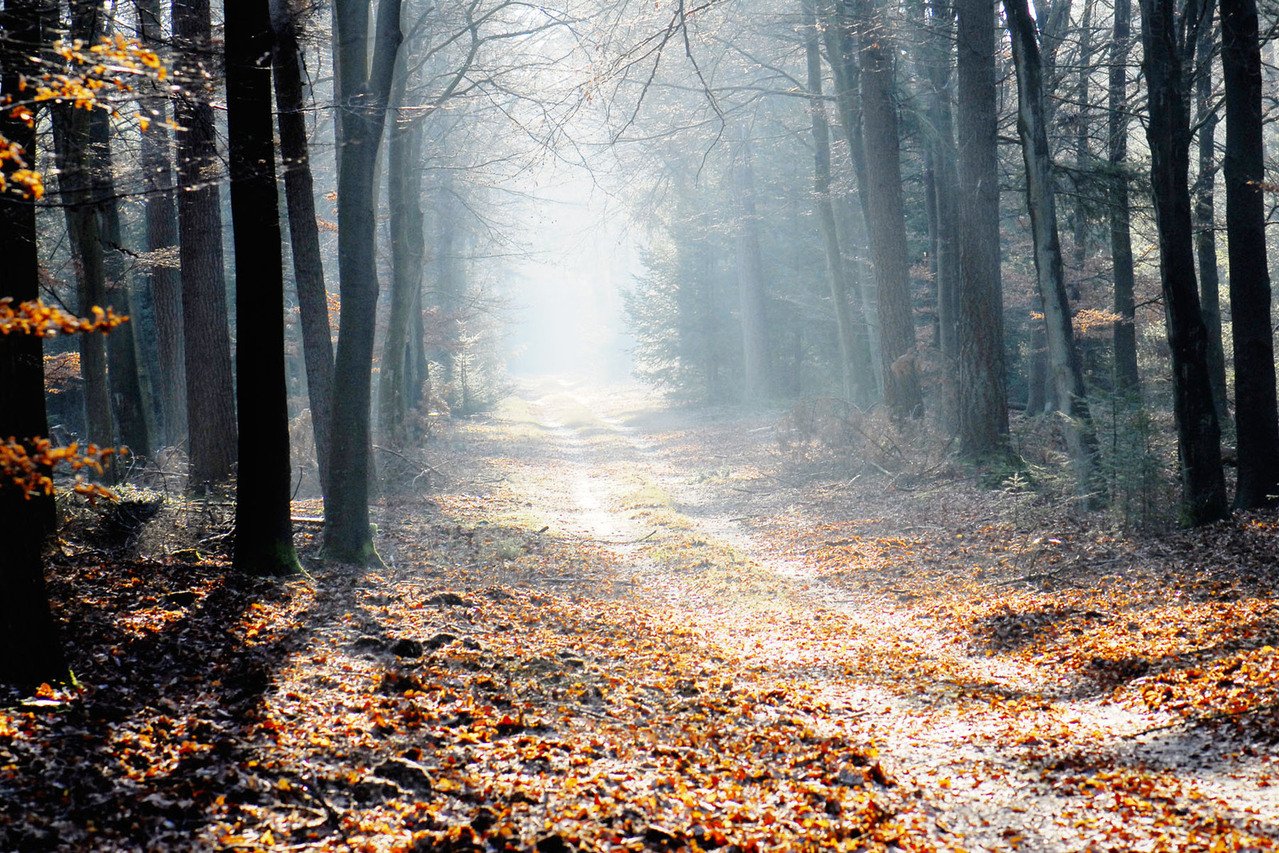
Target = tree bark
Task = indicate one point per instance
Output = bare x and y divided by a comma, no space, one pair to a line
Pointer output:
304,233
1063,358
211,427
1205,220
160,212
408,255
982,386
366,88
1164,60
1127,379
30,651
885,214
1256,412
263,527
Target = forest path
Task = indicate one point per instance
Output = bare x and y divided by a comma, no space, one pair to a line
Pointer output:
1003,753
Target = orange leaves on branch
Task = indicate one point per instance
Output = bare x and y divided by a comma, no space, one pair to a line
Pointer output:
15,172
30,465
85,75
45,321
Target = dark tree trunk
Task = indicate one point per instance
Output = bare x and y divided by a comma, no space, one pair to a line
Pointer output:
885,214
263,529
30,652
162,239
1205,219
1127,379
1256,414
75,186
207,350
1164,60
1063,357
982,386
366,88
304,233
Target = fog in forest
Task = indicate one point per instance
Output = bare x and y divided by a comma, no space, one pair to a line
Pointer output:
638,425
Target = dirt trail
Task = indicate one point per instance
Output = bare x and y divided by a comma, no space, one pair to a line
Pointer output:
991,742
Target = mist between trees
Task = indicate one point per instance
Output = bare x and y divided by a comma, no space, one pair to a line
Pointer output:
976,228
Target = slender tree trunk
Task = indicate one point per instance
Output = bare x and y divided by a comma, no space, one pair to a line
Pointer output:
450,282
937,20
207,343
750,282
75,185
304,233
366,89
982,386
1206,222
160,211
1256,412
1164,60
1127,379
30,651
130,400
1079,220
408,255
841,50
263,527
1063,358
855,355
885,214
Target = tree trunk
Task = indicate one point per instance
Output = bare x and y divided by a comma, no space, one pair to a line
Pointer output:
366,88
30,652
75,185
1079,220
160,211
841,50
130,399
408,255
263,528
1206,223
885,215
1127,379
854,346
982,386
942,197
756,383
210,399
1063,358
1168,134
1256,413
304,233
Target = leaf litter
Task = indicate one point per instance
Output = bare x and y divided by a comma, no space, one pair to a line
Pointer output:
792,661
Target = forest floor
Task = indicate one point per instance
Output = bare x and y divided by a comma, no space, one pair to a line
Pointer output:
606,622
